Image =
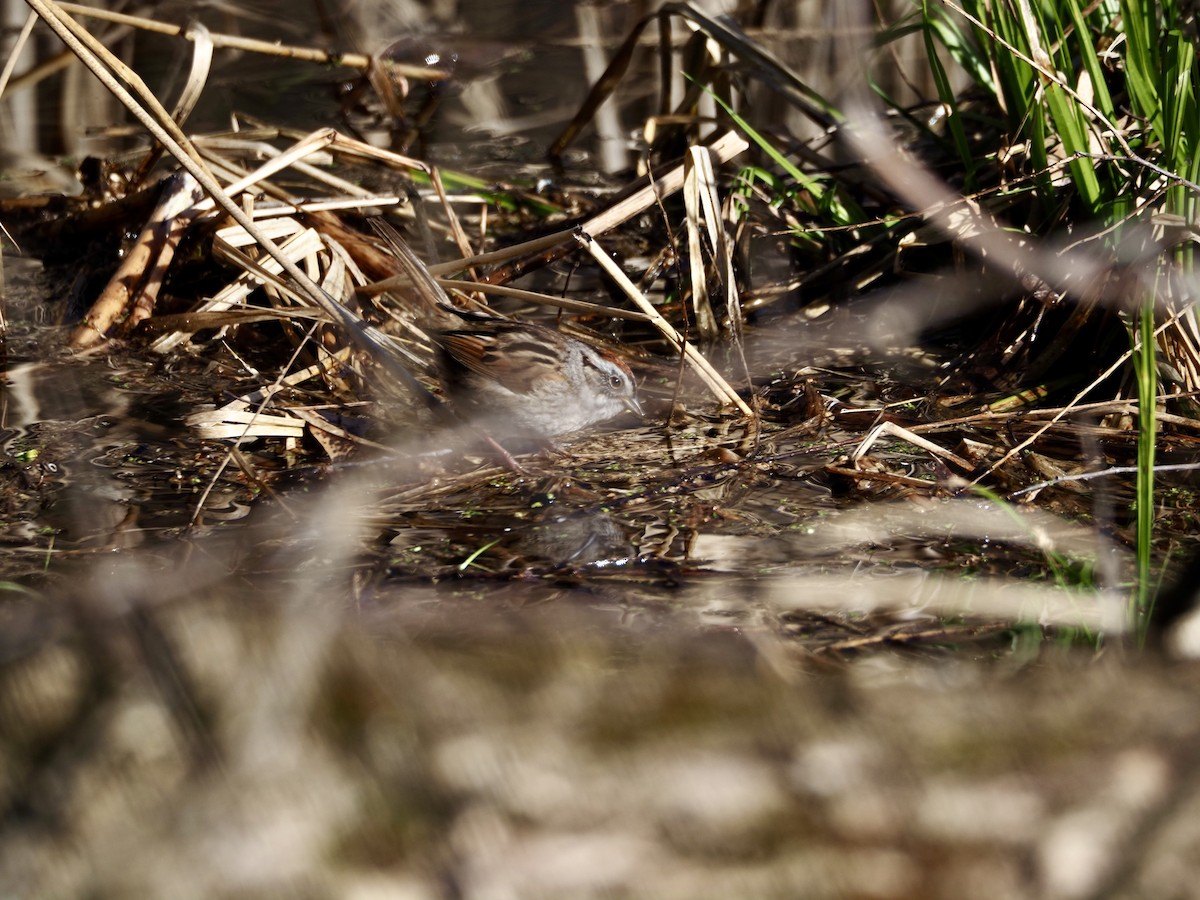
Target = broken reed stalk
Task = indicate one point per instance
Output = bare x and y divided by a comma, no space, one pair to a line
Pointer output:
144,268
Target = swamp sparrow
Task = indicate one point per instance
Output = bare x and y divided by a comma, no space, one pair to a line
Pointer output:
527,380
522,380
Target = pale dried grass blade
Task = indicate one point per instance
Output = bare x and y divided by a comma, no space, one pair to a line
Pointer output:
339,143
711,377
694,184
313,143
277,228
202,55
237,420
355,275
305,161
255,273
316,370
267,270
456,229
719,243
244,418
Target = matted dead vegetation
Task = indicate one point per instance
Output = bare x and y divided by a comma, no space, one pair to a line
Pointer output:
309,270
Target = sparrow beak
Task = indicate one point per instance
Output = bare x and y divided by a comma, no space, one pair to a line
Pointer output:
631,404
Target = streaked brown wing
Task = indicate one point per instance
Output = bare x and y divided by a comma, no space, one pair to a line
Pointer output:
478,352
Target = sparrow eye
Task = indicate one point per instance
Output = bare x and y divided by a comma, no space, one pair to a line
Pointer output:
614,381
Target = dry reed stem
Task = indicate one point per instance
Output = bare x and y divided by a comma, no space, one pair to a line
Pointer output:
575,306
505,254
905,434
14,51
665,184
198,74
267,48
101,62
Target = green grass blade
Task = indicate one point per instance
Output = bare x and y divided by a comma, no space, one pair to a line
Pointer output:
946,94
1147,383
